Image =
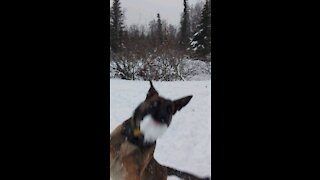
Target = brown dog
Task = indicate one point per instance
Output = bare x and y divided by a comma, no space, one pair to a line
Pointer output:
132,144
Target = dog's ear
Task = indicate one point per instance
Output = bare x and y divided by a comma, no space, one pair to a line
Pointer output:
152,91
180,103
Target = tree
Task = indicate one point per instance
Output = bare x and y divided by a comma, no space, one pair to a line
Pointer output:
116,26
152,36
201,41
172,31
195,15
212,29
159,30
185,27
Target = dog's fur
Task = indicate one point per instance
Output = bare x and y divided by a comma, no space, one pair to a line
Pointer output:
131,158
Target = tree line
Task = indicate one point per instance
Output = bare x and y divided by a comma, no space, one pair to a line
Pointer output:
192,37
157,50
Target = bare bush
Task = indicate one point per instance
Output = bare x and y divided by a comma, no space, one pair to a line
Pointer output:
160,65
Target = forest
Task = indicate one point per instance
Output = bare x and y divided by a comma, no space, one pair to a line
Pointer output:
161,51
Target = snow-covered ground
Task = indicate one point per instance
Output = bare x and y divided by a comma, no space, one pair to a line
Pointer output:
186,145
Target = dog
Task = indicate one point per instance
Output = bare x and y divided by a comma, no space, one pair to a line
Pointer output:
132,143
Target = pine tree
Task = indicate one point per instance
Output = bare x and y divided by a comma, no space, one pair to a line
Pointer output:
153,38
201,41
160,36
212,30
185,27
209,23
116,26
195,15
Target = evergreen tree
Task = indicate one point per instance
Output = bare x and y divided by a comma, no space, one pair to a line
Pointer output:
116,26
159,30
201,41
185,27
212,29
195,15
153,37
209,23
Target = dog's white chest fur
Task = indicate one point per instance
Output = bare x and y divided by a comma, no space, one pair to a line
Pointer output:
151,129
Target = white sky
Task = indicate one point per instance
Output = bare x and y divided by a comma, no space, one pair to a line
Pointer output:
143,11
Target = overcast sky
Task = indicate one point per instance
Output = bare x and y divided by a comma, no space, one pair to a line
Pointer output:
143,11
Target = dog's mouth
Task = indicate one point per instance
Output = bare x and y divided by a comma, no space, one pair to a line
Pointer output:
157,122
152,129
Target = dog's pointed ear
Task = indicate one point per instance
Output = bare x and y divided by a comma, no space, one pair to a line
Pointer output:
152,91
180,103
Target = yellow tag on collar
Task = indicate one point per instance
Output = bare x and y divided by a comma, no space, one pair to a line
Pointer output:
136,132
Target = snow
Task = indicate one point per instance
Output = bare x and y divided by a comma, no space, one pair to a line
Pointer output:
186,145
198,32
189,70
193,43
151,129
196,70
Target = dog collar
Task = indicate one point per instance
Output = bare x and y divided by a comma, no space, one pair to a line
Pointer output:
135,136
136,132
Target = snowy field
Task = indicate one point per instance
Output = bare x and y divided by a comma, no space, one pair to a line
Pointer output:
186,145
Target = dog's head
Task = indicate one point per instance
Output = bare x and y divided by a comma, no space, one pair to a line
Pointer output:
154,115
